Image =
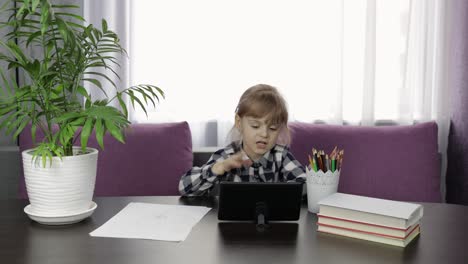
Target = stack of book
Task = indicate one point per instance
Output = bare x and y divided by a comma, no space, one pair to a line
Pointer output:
378,220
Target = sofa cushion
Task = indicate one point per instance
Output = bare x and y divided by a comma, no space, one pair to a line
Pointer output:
390,162
151,161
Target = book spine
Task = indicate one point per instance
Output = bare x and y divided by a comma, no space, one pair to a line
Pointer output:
415,216
366,217
368,237
370,233
363,223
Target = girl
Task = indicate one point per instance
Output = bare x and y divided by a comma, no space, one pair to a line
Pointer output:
259,155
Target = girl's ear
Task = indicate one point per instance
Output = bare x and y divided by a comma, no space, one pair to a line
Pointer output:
238,122
284,137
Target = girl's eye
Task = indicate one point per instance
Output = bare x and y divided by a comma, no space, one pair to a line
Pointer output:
273,128
254,126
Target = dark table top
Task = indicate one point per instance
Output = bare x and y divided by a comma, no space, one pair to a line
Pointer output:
443,239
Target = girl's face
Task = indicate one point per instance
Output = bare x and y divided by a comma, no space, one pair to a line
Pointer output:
258,136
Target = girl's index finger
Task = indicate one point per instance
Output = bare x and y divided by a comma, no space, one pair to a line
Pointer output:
244,156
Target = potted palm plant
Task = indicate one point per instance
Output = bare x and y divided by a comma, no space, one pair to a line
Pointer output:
53,100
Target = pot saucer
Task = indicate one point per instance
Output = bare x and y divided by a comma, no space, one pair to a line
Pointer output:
60,219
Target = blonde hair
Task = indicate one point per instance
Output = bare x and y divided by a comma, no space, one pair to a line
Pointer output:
263,100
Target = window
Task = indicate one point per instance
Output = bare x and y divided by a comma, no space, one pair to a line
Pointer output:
205,53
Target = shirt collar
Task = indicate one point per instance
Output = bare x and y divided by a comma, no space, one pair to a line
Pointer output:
263,161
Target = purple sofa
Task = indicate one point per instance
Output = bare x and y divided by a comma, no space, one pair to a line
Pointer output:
390,162
149,163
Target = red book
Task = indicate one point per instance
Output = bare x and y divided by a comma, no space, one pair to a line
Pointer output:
372,229
370,236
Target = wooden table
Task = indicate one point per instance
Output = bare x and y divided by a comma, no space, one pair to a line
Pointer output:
443,239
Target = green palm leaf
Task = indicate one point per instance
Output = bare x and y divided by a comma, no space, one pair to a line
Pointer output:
72,54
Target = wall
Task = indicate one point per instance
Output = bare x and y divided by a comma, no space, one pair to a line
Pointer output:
9,156
457,166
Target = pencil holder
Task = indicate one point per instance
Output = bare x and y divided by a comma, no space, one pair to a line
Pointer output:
319,185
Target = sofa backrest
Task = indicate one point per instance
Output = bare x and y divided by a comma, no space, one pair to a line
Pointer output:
390,162
151,161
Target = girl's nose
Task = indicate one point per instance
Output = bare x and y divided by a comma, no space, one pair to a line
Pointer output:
264,132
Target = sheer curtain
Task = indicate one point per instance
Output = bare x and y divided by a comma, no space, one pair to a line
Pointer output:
362,62
405,80
336,61
117,15
205,53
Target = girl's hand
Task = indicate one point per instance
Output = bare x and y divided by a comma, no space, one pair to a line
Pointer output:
233,162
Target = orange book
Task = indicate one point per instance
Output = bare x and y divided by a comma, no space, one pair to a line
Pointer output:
369,236
373,229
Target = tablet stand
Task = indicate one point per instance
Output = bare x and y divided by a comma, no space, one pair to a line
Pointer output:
261,216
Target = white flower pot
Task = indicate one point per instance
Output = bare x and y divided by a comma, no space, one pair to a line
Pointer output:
65,187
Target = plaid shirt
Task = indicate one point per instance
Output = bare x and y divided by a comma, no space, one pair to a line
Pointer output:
277,165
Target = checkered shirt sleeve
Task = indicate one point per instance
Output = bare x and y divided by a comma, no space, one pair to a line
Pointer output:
292,169
199,180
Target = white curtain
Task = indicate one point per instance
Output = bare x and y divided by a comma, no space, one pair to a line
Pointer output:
409,73
117,15
425,94
363,62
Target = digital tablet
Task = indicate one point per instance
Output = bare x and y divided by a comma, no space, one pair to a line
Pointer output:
259,201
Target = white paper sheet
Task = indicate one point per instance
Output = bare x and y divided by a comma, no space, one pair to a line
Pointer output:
152,221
